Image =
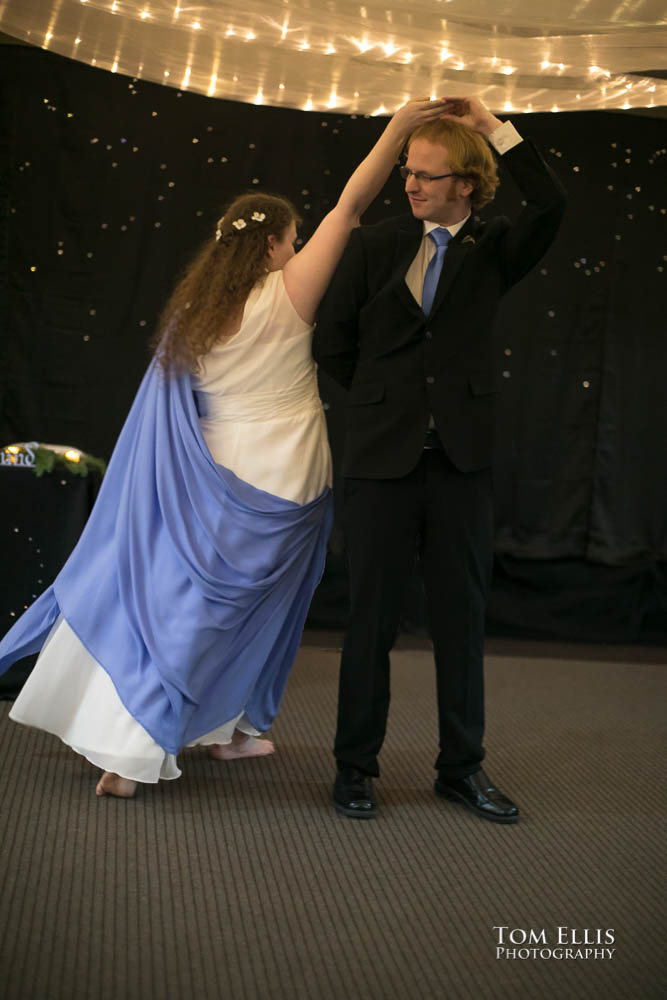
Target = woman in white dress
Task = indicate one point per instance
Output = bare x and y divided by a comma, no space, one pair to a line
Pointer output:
176,619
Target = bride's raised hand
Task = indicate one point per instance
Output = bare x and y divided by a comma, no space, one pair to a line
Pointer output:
471,112
416,113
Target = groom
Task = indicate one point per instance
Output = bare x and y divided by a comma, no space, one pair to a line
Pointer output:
406,328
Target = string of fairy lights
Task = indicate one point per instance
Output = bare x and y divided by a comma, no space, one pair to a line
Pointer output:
341,56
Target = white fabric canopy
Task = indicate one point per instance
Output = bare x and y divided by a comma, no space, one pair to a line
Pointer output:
517,55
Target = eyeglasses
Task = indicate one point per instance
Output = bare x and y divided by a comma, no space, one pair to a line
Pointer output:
420,176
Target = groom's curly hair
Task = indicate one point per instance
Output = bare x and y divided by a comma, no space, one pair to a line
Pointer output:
208,300
469,156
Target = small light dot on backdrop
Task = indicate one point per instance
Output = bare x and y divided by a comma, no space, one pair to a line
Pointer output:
553,352
586,384
506,374
551,313
508,351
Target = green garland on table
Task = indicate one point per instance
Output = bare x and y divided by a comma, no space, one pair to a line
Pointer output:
41,459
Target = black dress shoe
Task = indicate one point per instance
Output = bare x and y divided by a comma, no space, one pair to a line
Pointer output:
477,793
353,794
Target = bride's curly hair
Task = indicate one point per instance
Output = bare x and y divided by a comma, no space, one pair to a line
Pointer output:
216,283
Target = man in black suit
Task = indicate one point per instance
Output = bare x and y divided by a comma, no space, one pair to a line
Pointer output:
406,328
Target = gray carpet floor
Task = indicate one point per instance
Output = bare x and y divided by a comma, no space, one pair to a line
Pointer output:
240,880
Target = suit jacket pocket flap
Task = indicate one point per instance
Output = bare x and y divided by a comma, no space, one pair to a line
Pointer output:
365,392
483,385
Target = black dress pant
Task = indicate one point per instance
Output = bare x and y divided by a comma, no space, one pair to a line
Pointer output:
446,516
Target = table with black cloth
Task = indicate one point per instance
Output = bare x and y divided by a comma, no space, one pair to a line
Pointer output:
41,519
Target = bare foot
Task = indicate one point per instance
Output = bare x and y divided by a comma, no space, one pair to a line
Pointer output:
113,784
242,745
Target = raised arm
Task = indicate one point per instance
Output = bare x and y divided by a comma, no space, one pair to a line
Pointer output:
533,231
308,273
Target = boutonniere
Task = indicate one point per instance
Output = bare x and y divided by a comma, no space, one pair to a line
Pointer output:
468,239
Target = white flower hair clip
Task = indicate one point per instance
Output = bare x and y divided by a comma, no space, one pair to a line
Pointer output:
218,234
239,223
258,216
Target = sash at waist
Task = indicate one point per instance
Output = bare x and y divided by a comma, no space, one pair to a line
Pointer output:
258,405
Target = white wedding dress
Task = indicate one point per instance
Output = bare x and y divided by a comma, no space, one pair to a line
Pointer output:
262,418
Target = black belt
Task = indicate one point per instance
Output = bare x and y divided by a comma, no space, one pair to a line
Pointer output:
432,440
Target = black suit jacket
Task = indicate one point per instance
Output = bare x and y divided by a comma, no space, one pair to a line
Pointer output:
401,366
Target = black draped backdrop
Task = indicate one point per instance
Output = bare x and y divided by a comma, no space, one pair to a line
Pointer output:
107,186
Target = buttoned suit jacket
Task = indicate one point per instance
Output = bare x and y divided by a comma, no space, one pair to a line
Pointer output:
400,366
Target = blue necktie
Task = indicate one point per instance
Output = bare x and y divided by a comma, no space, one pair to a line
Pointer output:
441,238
